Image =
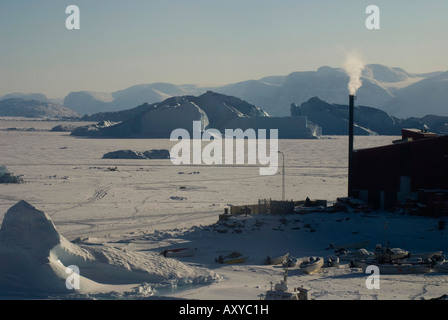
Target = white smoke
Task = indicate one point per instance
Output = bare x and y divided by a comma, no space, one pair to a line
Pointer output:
353,66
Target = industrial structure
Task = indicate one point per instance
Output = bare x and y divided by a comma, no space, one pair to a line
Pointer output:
411,173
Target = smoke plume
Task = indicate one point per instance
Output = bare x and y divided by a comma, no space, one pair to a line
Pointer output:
353,66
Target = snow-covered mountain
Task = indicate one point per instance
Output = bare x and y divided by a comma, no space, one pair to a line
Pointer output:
274,94
428,96
385,74
391,89
394,90
31,96
19,107
86,102
380,85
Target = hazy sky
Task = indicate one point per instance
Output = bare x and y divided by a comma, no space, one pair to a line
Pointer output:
210,42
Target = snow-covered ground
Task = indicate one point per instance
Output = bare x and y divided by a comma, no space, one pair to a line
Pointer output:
122,219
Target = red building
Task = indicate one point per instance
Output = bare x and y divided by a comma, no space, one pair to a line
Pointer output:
393,174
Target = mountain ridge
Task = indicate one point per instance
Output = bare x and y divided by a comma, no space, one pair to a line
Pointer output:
381,89
30,108
391,89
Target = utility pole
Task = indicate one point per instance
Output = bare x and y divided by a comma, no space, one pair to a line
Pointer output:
283,176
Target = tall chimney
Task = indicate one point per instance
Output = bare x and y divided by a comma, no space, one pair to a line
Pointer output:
350,144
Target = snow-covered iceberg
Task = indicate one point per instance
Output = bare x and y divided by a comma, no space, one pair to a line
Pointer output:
37,261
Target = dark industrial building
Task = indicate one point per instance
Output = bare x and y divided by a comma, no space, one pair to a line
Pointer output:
410,173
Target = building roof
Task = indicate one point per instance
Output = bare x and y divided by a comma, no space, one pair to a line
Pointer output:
416,134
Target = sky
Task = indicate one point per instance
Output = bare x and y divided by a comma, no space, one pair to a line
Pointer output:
207,42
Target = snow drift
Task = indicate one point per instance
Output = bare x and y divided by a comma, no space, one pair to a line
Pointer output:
34,261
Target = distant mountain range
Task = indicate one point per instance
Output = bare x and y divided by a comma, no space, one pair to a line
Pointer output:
85,102
29,108
393,90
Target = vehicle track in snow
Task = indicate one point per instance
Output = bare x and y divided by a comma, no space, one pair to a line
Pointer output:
98,194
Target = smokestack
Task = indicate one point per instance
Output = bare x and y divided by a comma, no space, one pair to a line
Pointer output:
350,143
353,66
